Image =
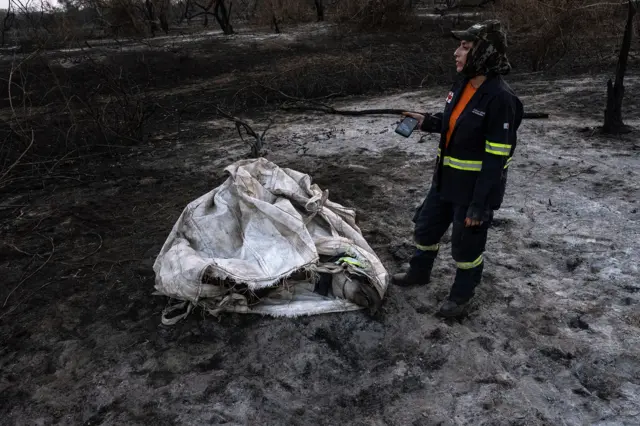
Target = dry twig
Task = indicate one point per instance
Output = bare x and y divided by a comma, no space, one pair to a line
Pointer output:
53,249
578,173
256,146
14,116
74,261
14,307
15,163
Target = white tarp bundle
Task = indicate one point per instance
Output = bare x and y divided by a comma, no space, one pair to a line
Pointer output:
261,242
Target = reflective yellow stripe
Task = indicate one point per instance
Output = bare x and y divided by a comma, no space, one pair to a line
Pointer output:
498,148
434,247
469,265
494,152
468,165
498,145
350,261
508,162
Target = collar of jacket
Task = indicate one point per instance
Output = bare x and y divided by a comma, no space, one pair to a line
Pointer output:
490,85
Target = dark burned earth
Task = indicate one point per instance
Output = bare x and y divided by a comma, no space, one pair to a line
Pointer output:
552,337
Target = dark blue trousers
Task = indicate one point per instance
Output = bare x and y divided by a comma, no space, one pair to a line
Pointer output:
432,220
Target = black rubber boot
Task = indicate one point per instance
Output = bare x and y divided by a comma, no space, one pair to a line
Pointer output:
451,309
411,278
465,284
462,291
419,270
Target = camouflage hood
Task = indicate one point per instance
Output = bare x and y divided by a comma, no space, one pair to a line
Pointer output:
488,54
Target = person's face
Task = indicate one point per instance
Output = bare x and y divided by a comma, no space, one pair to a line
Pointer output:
461,54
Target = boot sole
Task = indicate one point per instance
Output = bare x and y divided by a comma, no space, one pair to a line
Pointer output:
463,312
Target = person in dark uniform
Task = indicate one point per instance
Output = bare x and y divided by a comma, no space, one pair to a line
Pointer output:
478,139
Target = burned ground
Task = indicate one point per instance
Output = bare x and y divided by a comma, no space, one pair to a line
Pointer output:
552,337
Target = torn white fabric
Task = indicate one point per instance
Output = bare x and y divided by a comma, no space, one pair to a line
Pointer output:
253,232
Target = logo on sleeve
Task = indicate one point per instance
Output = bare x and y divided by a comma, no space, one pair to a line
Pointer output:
506,126
449,97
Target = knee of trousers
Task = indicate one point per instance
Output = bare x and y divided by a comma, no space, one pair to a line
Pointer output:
425,235
468,257
468,245
466,253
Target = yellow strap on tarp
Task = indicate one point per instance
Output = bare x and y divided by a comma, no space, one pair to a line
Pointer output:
351,261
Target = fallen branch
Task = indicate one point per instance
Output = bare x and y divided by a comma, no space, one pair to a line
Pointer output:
384,111
311,101
315,105
330,110
451,6
534,115
582,7
569,176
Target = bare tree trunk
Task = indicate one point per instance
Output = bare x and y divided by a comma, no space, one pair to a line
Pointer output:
223,17
320,10
254,9
162,15
164,23
186,13
205,11
7,23
615,91
151,16
275,23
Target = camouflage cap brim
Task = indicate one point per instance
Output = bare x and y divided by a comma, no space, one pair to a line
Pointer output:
464,35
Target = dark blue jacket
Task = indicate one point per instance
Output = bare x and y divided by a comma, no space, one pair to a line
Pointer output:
472,170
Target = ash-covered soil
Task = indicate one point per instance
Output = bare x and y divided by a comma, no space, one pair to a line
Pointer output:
552,337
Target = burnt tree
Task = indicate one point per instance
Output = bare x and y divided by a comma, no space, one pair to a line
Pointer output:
162,8
7,22
151,18
223,16
164,23
319,10
219,12
613,123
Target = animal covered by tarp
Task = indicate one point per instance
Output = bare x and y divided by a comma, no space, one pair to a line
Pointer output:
268,241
